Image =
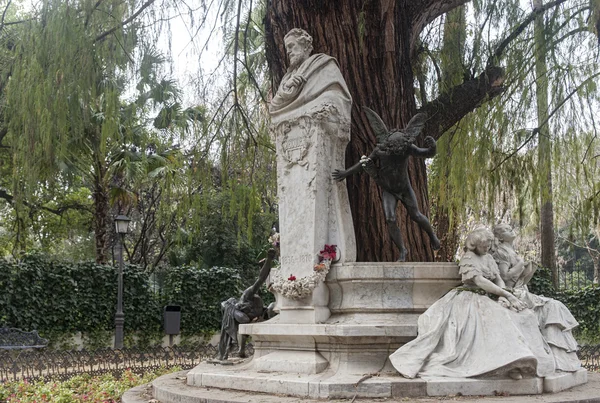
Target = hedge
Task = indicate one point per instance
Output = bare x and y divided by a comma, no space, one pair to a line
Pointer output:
60,298
583,304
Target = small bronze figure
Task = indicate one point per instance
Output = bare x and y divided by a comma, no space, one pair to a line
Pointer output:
249,308
392,151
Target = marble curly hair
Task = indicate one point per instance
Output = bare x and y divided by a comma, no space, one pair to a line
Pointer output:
476,237
302,37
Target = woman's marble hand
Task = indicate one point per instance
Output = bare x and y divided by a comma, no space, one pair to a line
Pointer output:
504,302
516,304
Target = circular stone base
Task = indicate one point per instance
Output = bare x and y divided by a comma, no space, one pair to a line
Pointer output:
172,388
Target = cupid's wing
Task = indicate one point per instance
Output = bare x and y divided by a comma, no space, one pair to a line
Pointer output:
379,128
414,127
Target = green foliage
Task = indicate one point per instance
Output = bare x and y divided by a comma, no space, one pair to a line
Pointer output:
59,298
583,304
79,389
199,292
487,167
231,231
541,283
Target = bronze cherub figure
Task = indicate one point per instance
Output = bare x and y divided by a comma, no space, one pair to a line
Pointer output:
392,152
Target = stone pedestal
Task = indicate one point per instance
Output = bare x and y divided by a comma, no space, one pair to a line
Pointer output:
313,208
374,310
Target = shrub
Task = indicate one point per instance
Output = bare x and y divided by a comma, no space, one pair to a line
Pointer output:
583,304
59,298
79,389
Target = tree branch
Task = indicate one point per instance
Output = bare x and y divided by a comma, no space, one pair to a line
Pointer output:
3,133
58,211
528,20
425,11
87,18
545,122
450,107
235,51
6,24
127,21
4,14
245,62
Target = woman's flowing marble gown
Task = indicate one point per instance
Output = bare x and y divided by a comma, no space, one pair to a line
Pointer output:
554,318
467,334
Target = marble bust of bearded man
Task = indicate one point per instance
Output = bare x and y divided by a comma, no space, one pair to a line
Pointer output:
309,82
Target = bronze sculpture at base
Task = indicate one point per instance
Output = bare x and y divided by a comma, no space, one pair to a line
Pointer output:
249,308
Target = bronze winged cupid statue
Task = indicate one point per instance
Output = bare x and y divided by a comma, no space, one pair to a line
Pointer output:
388,167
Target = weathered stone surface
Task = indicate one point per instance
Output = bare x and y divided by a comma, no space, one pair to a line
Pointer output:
565,380
310,116
444,386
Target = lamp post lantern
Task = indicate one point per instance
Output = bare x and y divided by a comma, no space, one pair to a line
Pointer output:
121,227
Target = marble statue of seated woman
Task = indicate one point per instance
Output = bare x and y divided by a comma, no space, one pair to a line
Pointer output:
554,318
477,330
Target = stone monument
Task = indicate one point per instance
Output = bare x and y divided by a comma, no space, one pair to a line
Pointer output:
310,117
339,320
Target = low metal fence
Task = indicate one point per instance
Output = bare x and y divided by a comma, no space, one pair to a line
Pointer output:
590,357
62,365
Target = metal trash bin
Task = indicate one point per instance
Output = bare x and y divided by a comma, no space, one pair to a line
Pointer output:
172,319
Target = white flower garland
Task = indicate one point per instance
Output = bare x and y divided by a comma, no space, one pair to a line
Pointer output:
301,287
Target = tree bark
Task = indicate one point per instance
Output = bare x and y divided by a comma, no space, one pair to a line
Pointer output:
452,70
373,42
544,150
101,213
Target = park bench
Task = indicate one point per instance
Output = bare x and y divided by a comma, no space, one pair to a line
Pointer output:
16,339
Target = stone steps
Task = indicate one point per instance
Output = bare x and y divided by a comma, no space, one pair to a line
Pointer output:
172,388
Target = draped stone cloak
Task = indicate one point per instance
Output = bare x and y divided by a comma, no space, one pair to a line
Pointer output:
311,126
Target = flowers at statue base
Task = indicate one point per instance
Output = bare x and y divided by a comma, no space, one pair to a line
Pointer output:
329,252
274,239
320,267
298,288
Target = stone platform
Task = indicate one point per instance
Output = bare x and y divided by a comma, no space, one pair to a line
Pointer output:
328,385
172,388
374,310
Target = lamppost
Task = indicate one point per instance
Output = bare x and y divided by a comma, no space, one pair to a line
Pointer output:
121,226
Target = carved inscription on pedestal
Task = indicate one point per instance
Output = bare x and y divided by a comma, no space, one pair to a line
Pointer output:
294,259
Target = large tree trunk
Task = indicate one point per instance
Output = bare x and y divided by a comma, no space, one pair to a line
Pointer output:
373,42
101,216
544,149
452,70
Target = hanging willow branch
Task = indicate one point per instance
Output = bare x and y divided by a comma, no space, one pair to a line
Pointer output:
87,19
58,211
545,122
4,15
530,18
127,21
245,62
